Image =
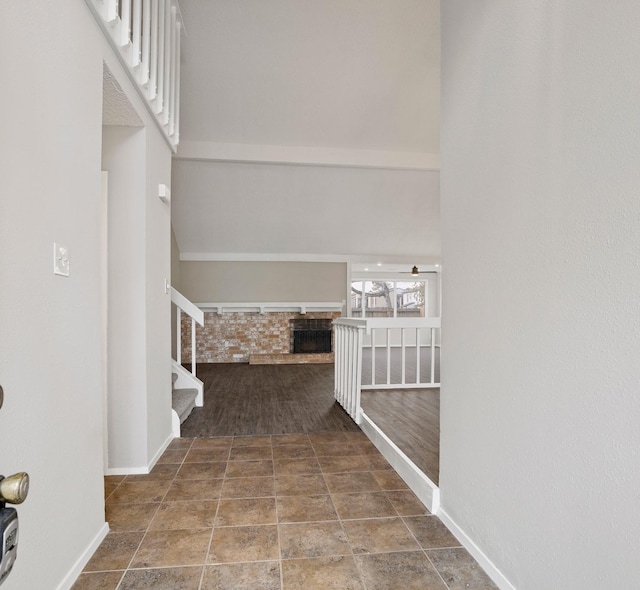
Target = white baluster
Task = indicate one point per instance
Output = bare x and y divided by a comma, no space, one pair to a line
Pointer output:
193,347
143,76
417,355
433,355
172,88
388,356
125,25
179,336
176,105
404,360
153,53
373,356
162,13
166,91
109,10
136,29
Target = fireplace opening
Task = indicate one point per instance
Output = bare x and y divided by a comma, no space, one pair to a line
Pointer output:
310,336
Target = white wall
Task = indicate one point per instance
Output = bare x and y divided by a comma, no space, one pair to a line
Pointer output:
540,406
221,207
232,282
50,362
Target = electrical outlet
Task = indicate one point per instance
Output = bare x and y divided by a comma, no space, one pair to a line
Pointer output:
60,260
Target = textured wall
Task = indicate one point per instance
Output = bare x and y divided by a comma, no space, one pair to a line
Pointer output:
541,313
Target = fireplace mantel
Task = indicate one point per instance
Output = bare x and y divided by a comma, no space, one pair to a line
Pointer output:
273,307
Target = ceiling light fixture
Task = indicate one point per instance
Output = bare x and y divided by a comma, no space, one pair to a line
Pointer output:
414,271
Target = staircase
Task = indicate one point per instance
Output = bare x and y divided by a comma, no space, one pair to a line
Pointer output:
187,389
182,400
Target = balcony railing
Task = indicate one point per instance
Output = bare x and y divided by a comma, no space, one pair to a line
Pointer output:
146,35
384,353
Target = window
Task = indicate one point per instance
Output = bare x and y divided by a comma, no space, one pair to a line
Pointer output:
388,299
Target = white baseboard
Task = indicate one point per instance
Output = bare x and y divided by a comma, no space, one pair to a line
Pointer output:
71,577
142,469
426,491
499,579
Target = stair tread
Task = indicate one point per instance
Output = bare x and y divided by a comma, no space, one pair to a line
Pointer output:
183,401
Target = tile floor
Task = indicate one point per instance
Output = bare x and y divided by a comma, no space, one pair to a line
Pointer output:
298,511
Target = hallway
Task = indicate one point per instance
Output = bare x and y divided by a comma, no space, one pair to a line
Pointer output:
282,512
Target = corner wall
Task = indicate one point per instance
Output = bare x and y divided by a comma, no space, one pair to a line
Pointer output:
541,323
51,423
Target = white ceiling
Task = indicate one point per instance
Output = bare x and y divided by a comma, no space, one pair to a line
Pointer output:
347,88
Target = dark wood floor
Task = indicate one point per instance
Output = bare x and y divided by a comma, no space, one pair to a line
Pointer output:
411,419
242,399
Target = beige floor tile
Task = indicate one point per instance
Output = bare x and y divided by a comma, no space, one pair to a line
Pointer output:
293,452
379,535
207,455
345,464
243,453
359,481
248,511
196,514
249,468
305,509
290,439
174,456
333,449
166,471
406,503
180,443
248,487
129,517
389,480
305,484
263,575
115,552
176,578
430,532
363,505
316,539
194,489
201,470
173,548
459,570
114,479
403,570
220,442
326,573
139,492
244,543
327,437
252,441
98,581
109,488
296,466
356,437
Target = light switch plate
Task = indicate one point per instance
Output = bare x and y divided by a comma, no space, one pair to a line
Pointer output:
60,260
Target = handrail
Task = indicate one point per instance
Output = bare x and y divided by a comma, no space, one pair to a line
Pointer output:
398,337
196,315
191,309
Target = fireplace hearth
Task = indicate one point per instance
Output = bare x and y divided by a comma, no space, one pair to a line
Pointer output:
310,336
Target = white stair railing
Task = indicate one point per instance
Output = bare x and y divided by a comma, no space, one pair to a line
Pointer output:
407,344
404,343
146,36
183,305
348,336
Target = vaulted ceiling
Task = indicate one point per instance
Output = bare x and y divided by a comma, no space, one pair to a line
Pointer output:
295,112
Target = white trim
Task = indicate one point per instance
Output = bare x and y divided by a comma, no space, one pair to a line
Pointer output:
486,564
72,575
426,491
273,307
145,469
307,156
293,257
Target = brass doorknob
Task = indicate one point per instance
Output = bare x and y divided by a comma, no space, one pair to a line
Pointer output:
14,489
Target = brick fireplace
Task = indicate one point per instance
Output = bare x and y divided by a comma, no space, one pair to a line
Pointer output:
244,336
